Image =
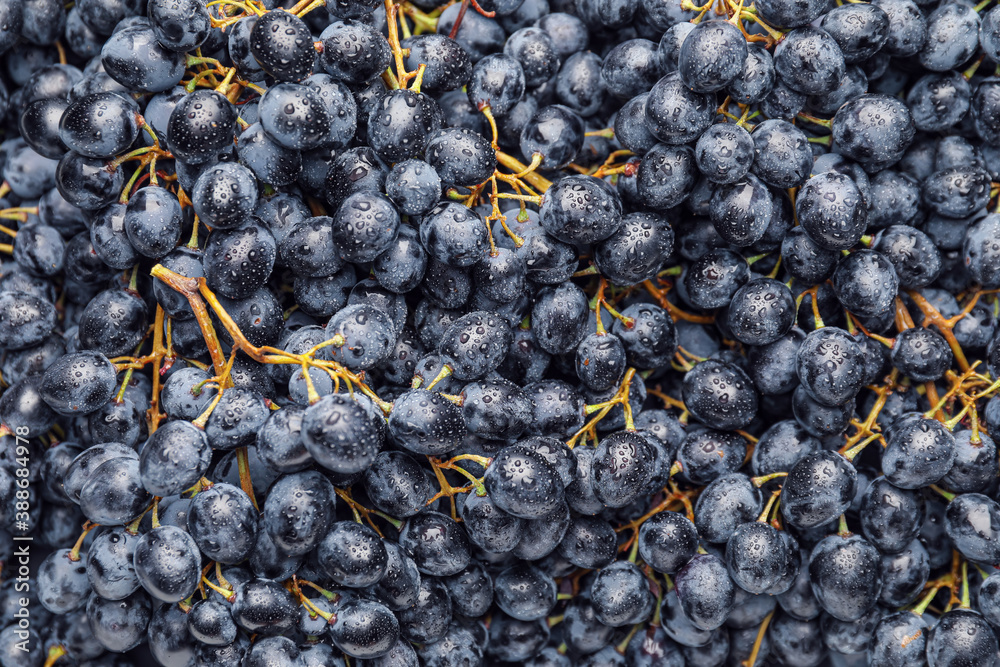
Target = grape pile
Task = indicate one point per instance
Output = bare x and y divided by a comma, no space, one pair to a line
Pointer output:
624,333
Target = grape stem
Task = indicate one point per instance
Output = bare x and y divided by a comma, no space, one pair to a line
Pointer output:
361,512
246,483
197,293
55,652
660,295
752,660
602,409
764,479
74,554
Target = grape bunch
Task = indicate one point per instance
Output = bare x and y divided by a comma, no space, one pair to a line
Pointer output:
555,333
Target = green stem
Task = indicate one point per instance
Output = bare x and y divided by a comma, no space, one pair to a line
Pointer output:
634,553
822,122
764,479
851,453
948,496
924,603
965,584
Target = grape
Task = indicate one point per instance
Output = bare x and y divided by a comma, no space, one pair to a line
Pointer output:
262,606
210,623
353,555
63,585
119,625
78,383
223,522
167,563
428,620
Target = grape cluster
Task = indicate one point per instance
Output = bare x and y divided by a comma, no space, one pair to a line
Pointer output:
598,333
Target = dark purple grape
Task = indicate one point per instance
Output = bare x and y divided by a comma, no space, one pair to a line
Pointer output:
890,517
754,556
282,45
874,130
339,434
960,635
782,446
119,625
39,127
25,320
590,542
352,555
353,52
904,575
621,468
436,544
101,125
295,116
497,81
223,522
264,607
269,161
224,195
706,455
899,638
913,255
782,157
726,502
522,482
87,183
168,563
524,592
964,522
832,211
153,221
830,364
600,361
134,58
62,580
922,354
919,452
364,629
109,564
78,383
454,235
180,26
650,338
490,527
865,282
400,585
818,489
364,226
846,578
239,261
211,623
168,635
705,591
113,494
414,186
460,156
667,541
975,465
675,114
720,395
495,409
448,66
711,56
428,620
201,126
298,512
